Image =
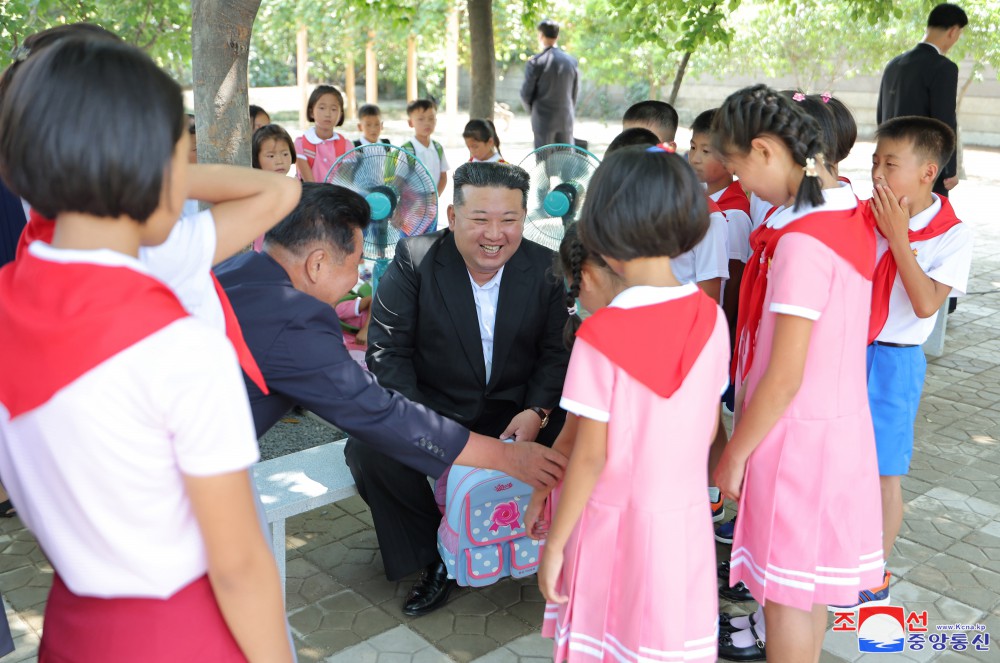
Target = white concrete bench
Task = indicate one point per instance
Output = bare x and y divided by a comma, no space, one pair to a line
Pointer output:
299,482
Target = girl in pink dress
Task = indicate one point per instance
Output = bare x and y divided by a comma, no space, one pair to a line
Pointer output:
801,460
644,380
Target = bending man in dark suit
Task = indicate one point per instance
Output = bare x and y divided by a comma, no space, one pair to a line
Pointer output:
284,299
550,88
924,82
467,321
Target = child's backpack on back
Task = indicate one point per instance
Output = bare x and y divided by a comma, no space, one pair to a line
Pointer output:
482,537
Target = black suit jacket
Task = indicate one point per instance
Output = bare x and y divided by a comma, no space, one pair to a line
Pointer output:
424,339
297,342
921,82
551,86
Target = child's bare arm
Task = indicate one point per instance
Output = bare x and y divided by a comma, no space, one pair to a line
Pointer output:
731,298
442,182
893,219
246,202
240,565
305,170
712,287
537,528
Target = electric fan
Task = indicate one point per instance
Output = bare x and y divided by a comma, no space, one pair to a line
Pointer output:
400,192
560,175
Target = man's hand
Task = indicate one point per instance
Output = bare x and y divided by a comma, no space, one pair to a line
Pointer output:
891,215
533,464
950,182
524,426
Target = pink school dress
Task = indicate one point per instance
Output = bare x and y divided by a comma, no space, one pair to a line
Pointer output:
639,568
810,529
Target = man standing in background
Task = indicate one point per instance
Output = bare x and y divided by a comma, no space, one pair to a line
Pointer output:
551,85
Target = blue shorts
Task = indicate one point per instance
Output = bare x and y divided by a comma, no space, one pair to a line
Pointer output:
895,382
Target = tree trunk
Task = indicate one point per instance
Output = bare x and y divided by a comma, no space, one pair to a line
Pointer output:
451,62
350,84
484,64
371,70
220,43
411,67
681,68
302,73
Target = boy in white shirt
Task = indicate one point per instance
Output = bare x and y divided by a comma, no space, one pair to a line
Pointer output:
422,114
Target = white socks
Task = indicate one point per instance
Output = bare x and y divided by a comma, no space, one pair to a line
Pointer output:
743,637
713,494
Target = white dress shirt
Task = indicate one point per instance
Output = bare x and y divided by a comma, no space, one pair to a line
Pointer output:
486,297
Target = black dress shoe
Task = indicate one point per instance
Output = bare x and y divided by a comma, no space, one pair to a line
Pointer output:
430,592
726,622
723,572
737,592
730,652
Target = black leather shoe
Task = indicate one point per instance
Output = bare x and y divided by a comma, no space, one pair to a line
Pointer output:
723,572
430,592
726,622
737,592
730,652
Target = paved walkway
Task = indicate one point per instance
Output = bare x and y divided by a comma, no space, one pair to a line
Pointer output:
947,561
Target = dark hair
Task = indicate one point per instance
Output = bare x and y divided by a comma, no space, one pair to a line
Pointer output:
255,111
326,214
657,113
369,110
420,104
267,132
569,266
492,174
643,202
758,110
97,124
191,126
319,92
932,139
632,137
816,109
703,123
947,15
549,29
33,44
482,130
844,124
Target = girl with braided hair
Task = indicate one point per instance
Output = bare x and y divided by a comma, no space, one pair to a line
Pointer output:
801,460
628,563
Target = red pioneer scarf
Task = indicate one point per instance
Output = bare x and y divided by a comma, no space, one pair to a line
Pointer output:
664,339
734,198
845,232
885,270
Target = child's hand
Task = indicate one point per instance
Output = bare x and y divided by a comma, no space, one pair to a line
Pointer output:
365,303
891,215
534,522
729,475
548,575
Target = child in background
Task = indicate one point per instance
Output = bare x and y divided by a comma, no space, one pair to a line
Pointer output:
422,116
619,571
272,151
370,125
482,140
321,145
632,137
801,460
924,255
140,515
845,128
656,116
258,118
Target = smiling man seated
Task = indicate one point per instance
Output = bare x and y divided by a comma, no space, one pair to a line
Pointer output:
467,321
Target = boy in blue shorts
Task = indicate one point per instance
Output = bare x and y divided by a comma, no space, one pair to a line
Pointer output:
923,257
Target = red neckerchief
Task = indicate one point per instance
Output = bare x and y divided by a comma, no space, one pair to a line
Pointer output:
845,232
42,229
734,198
885,270
713,207
664,340
60,320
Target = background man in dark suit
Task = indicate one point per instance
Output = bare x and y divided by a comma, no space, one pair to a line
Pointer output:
467,321
924,82
551,85
284,301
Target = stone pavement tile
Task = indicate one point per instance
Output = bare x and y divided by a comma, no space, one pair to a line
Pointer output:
958,579
940,609
305,583
956,509
396,645
466,648
844,646
980,547
339,621
829,657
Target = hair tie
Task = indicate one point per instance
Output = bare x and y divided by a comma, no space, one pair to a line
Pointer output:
572,310
20,54
826,96
662,147
798,96
811,167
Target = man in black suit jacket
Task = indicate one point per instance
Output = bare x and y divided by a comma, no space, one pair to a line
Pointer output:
284,299
551,86
924,82
467,321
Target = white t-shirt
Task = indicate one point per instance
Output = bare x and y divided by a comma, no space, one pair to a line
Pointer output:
759,209
709,259
946,258
110,450
434,163
739,228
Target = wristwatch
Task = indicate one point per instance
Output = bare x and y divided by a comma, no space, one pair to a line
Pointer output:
541,413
